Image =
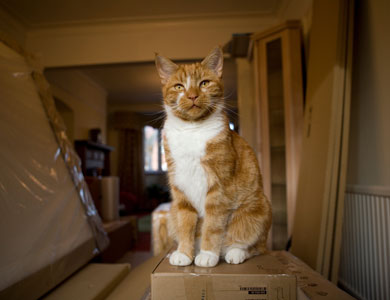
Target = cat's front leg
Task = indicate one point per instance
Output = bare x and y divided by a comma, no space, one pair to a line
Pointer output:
184,219
213,229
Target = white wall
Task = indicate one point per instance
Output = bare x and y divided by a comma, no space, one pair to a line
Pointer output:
246,102
135,42
87,100
80,93
366,226
369,148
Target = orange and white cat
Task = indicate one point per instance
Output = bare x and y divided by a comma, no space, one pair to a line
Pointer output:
214,176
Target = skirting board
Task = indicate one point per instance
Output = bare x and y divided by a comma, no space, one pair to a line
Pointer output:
369,189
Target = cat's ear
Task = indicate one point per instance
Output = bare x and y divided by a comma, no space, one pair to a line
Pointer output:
165,68
214,61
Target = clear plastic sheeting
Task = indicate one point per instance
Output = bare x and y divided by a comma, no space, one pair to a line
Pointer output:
72,161
46,210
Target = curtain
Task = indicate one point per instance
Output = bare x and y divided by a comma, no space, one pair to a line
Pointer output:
130,161
130,156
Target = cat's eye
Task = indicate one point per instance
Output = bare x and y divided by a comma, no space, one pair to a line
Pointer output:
179,87
204,83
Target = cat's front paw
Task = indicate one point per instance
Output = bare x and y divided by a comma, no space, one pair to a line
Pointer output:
179,259
206,259
236,256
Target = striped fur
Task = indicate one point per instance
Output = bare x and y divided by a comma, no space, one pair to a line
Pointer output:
215,180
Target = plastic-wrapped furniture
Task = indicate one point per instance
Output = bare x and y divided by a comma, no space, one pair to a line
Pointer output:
49,226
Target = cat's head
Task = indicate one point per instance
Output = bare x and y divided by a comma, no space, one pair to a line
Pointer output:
192,92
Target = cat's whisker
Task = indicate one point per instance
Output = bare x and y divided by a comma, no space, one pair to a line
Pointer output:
230,105
157,120
154,113
228,94
220,99
231,111
225,107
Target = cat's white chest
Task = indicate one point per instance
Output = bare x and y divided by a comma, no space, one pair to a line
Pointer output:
187,144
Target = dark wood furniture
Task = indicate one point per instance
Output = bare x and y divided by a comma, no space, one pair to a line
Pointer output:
123,236
95,157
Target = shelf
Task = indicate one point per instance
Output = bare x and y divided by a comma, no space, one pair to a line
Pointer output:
95,157
93,145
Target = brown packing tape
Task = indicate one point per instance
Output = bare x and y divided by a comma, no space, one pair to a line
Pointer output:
47,278
198,287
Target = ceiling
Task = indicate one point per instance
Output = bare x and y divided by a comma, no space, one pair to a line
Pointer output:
36,13
134,83
139,83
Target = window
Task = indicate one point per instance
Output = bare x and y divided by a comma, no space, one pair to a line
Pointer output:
154,155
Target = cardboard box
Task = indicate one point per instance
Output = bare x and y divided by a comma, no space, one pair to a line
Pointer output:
262,277
95,281
311,285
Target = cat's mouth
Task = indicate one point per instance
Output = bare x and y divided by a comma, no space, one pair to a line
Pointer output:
194,105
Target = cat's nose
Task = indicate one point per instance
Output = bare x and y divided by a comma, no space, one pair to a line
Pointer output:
192,97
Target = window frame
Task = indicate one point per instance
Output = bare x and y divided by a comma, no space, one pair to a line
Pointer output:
159,147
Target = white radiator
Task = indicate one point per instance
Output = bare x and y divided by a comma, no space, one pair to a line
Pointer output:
365,250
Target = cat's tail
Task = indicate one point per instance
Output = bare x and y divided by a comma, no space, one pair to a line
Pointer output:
259,248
